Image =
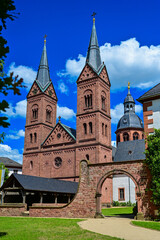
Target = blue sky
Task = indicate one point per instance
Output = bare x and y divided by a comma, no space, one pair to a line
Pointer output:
129,40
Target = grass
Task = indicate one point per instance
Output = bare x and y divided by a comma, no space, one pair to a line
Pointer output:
117,211
151,225
16,228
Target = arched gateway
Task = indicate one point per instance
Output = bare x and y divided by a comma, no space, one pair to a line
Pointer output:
87,200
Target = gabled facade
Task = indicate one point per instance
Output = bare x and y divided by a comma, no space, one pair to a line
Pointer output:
55,150
151,109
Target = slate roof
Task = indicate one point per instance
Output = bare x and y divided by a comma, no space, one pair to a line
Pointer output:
130,150
32,183
113,151
43,76
153,92
129,120
70,130
93,54
9,162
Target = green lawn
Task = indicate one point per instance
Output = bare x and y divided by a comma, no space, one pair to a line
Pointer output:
16,228
151,225
117,211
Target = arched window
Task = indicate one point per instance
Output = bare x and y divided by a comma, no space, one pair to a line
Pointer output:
31,165
102,128
131,107
48,113
88,98
31,138
106,130
90,127
35,111
85,128
35,137
125,137
87,156
103,100
135,136
57,162
118,139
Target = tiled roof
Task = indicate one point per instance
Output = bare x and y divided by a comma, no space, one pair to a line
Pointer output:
153,92
130,150
70,130
9,162
32,183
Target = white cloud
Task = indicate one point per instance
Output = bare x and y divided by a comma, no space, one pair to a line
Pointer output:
7,151
114,143
63,88
18,110
73,67
16,135
118,111
125,62
138,109
27,73
65,113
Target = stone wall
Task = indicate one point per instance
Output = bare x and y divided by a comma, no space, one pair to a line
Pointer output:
87,201
12,209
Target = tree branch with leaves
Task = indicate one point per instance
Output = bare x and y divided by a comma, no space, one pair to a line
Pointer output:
153,162
7,83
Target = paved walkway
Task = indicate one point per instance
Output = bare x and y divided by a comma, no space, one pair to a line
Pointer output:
119,227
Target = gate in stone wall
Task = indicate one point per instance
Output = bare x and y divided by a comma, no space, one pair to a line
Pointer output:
86,202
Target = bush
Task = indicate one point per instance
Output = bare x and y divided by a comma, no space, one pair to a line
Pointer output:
123,204
116,203
128,204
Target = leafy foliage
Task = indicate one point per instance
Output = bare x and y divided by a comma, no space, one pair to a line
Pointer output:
153,162
6,82
6,176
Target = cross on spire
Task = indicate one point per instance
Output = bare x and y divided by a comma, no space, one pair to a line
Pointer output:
45,38
93,15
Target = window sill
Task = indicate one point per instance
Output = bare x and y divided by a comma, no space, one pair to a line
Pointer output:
88,108
49,121
34,120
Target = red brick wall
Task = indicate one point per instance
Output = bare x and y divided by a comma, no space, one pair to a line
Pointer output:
91,181
147,121
12,209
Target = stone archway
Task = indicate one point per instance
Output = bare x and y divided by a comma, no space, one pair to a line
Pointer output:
86,201
102,180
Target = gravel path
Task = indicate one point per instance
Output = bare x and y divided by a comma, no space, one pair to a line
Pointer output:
119,227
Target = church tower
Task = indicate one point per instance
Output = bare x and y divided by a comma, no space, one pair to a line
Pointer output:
41,108
93,134
130,126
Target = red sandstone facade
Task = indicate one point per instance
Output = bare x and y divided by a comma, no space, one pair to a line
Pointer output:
52,140
52,150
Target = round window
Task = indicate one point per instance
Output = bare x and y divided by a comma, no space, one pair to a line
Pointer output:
58,135
57,162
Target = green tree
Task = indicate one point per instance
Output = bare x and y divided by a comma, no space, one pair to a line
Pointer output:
6,176
153,162
7,83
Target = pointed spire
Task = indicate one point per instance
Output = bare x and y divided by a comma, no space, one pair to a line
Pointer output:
129,88
93,54
129,103
43,76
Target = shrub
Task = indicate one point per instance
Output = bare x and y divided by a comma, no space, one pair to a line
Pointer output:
116,203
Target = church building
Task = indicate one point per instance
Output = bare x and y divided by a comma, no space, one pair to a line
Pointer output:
54,150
